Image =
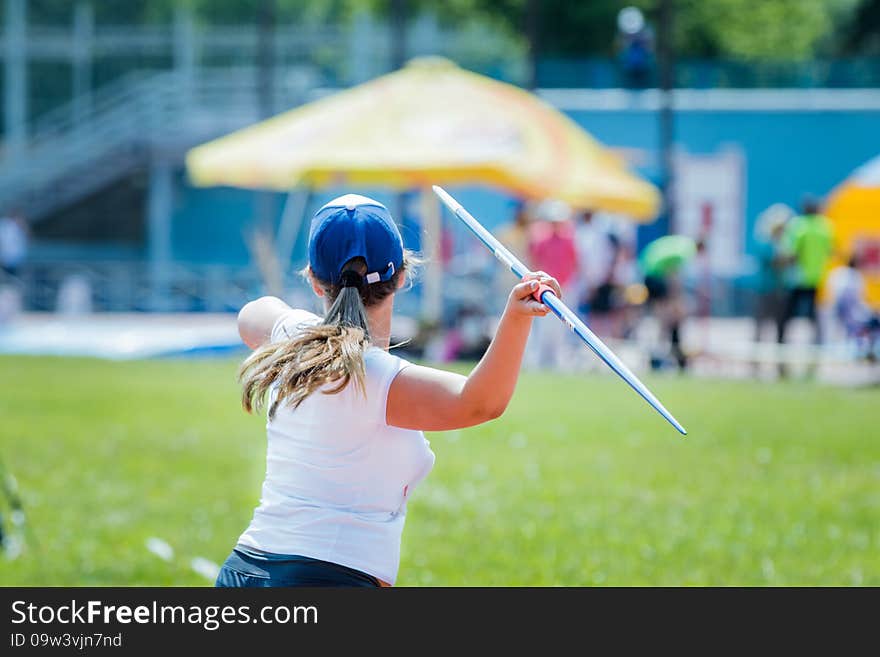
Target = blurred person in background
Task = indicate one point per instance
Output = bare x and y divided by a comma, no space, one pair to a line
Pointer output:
663,264
466,337
13,243
697,279
770,296
807,242
605,301
13,251
770,288
848,309
635,48
611,299
515,235
552,249
630,292
596,247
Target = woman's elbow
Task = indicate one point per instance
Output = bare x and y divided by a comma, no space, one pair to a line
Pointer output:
487,413
252,321
245,327
251,340
497,411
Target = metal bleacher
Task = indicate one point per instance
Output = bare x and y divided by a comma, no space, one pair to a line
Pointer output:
188,81
70,155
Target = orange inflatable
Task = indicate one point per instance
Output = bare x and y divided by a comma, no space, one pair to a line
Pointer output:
854,209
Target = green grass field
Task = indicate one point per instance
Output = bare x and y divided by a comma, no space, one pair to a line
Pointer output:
579,483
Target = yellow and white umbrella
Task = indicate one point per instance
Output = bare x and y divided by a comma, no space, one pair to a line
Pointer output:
429,123
854,210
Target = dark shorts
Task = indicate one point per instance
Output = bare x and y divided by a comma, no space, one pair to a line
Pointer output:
801,302
603,300
770,305
657,288
252,568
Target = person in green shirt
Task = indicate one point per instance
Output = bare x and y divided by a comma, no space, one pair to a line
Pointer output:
663,262
808,245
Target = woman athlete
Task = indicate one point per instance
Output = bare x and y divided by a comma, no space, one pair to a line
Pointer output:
345,417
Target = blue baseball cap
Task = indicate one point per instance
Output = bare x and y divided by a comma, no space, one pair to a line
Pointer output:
353,226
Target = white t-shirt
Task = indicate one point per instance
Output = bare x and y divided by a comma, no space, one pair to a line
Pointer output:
337,476
595,255
846,290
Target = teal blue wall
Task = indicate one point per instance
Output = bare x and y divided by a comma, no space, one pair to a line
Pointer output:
788,154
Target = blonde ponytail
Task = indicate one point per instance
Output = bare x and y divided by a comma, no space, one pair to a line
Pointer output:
330,352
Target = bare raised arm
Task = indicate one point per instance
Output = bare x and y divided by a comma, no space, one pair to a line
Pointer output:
256,319
429,399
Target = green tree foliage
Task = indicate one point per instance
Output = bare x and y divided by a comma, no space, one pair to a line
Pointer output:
127,12
783,29
768,29
741,29
774,29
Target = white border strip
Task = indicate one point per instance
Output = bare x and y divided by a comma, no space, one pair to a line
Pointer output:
750,100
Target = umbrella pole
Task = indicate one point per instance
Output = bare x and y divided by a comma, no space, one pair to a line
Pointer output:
291,222
432,290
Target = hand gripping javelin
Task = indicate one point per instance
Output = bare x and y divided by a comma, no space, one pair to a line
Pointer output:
549,298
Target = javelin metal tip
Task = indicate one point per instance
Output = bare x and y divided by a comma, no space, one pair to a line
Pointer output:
675,423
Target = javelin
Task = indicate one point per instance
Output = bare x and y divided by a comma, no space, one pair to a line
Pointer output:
549,298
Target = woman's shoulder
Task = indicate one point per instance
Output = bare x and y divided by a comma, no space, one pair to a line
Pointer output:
382,358
382,367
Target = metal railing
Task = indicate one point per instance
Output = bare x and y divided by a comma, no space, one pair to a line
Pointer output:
66,117
339,54
608,73
72,153
129,286
66,145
